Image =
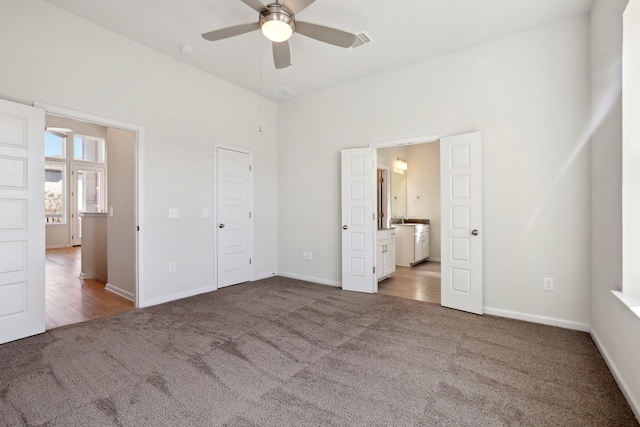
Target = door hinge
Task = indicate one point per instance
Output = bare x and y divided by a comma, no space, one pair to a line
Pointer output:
249,168
374,270
249,260
381,180
249,214
374,216
138,228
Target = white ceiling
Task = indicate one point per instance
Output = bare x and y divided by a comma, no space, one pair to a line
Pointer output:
404,32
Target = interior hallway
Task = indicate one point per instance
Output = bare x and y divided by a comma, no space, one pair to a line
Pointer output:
420,283
70,299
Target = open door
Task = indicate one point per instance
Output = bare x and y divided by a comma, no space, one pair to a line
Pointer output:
461,198
358,220
22,221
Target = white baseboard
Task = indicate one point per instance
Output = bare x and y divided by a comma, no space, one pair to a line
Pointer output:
310,279
434,259
177,296
534,318
116,290
633,403
57,246
262,276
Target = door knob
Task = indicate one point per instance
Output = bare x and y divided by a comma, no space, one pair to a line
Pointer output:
221,226
344,227
474,232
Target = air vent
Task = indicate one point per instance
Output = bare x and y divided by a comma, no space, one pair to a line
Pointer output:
362,39
283,93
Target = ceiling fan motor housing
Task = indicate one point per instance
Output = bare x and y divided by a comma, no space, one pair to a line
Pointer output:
276,16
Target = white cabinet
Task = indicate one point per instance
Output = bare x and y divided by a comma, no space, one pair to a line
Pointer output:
412,244
385,253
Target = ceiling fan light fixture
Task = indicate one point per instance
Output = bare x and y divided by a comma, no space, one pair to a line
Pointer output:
276,24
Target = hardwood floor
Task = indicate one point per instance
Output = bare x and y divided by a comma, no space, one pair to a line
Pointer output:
71,299
421,282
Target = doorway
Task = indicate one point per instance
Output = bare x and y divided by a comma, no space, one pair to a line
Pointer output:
95,167
461,214
233,215
411,195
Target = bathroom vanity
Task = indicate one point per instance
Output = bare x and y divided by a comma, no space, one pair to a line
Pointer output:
385,253
412,243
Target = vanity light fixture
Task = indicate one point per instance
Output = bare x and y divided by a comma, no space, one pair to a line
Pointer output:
400,166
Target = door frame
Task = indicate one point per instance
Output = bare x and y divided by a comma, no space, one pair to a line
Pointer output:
216,146
139,185
75,166
414,141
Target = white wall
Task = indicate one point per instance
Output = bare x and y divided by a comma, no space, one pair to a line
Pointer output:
184,111
121,232
615,328
529,95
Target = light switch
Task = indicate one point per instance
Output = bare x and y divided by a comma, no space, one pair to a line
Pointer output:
111,211
205,213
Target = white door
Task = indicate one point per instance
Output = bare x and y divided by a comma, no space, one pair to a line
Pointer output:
233,197
461,197
22,221
88,194
358,220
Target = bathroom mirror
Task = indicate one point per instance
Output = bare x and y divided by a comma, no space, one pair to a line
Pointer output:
398,195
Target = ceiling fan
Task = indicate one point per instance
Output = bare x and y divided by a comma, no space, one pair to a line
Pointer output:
277,22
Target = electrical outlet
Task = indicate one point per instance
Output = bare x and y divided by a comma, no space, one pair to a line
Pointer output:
205,213
309,256
304,254
174,213
172,267
548,284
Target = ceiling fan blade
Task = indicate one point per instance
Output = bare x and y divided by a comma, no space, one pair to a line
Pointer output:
281,54
225,33
325,34
297,6
255,5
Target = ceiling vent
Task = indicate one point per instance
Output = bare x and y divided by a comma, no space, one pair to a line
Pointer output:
362,39
283,93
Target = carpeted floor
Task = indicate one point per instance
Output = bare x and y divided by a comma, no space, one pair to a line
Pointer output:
283,352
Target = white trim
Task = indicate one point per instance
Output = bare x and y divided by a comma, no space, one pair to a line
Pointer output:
631,400
411,141
139,162
116,290
263,276
216,146
311,279
632,302
179,295
534,318
432,259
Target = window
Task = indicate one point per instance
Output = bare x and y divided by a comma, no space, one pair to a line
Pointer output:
54,193
89,149
54,145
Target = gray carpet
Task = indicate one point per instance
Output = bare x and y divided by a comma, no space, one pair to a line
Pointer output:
282,352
